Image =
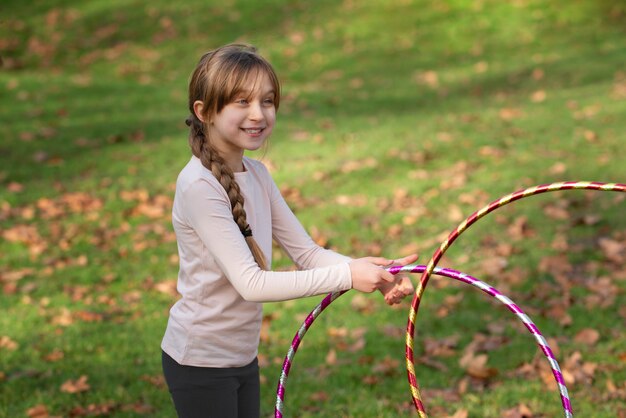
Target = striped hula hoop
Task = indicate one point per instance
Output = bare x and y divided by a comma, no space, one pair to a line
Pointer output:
453,274
463,226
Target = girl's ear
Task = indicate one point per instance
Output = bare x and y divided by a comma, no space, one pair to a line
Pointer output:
198,106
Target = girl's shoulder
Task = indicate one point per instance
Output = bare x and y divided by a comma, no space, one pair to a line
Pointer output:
193,172
257,167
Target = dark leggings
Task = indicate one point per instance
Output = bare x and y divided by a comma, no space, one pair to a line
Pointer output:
207,392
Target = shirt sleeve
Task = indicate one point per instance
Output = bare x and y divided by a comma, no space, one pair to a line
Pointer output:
207,211
293,238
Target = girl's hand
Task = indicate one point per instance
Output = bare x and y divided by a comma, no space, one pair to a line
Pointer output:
402,286
395,292
368,273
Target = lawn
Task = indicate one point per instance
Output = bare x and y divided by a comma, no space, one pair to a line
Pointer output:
399,118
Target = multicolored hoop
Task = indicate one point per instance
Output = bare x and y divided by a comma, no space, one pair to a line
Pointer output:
430,267
453,274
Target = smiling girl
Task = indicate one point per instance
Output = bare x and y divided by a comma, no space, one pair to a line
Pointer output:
227,210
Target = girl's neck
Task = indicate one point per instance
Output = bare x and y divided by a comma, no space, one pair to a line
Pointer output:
235,162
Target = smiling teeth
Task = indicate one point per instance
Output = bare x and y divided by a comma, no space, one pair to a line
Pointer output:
253,131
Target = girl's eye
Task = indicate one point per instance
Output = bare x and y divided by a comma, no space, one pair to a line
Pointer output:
241,101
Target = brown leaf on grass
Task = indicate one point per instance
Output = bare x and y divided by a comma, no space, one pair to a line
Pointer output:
560,268
393,331
154,209
575,370
432,363
519,229
265,326
158,380
587,336
354,165
559,312
493,266
449,304
357,345
520,411
87,316
331,357
63,318
509,113
560,243
76,386
25,234
15,275
538,96
483,342
489,151
334,332
362,304
8,344
38,411
455,214
428,78
140,195
603,293
475,365
54,355
103,409
619,86
558,168
318,236
387,366
15,187
461,413
455,181
443,347
320,396
557,210
167,287
358,200
370,380
613,250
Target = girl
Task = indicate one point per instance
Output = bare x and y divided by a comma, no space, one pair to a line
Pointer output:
226,211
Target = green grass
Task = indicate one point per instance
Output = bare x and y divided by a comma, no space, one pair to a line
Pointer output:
399,118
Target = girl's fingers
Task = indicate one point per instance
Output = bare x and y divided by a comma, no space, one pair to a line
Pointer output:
380,261
406,260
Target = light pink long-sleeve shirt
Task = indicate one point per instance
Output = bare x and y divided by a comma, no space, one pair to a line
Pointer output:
217,321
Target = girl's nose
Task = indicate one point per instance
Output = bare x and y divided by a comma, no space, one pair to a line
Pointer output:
256,112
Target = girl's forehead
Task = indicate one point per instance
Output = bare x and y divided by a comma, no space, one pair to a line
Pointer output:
257,82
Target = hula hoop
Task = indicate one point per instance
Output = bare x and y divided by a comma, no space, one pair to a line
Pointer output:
453,274
430,267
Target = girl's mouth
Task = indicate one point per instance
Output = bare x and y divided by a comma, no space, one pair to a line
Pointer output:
255,131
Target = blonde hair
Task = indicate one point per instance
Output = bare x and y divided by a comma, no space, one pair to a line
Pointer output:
220,75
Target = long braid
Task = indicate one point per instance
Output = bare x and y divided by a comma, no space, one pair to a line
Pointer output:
201,147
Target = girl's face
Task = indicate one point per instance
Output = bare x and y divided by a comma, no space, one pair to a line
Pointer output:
247,121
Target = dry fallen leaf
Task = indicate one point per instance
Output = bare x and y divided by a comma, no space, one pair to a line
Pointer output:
588,336
75,386
476,365
613,250
387,366
520,411
461,413
38,411
331,357
8,343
